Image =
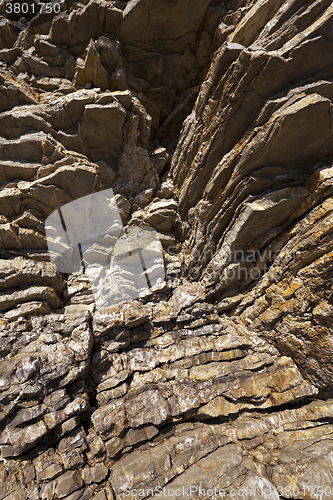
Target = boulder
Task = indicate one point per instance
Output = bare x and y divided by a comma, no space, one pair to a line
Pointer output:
9,31
91,70
111,118
187,351
164,27
109,52
67,483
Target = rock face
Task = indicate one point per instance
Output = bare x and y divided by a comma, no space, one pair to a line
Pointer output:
211,121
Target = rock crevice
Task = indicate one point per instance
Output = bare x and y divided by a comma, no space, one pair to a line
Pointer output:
211,121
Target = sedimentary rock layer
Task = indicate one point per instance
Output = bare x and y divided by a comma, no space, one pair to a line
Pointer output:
212,123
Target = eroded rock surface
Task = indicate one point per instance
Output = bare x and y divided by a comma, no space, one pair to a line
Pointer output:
212,123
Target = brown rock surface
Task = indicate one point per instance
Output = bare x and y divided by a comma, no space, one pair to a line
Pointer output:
211,121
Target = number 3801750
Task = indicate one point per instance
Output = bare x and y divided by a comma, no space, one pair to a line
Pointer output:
40,7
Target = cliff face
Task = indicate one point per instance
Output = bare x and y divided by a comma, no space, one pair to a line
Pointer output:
212,123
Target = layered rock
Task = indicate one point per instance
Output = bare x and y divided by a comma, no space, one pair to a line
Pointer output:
211,121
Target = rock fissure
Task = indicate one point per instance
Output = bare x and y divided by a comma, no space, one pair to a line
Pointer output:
212,123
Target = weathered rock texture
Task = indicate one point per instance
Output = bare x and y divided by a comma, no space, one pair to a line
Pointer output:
212,123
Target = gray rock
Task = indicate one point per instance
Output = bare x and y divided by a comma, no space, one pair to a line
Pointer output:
7,300
95,474
67,483
111,118
28,309
166,30
217,380
8,33
109,51
91,71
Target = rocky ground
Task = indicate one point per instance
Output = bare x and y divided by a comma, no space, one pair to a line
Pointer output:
212,122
